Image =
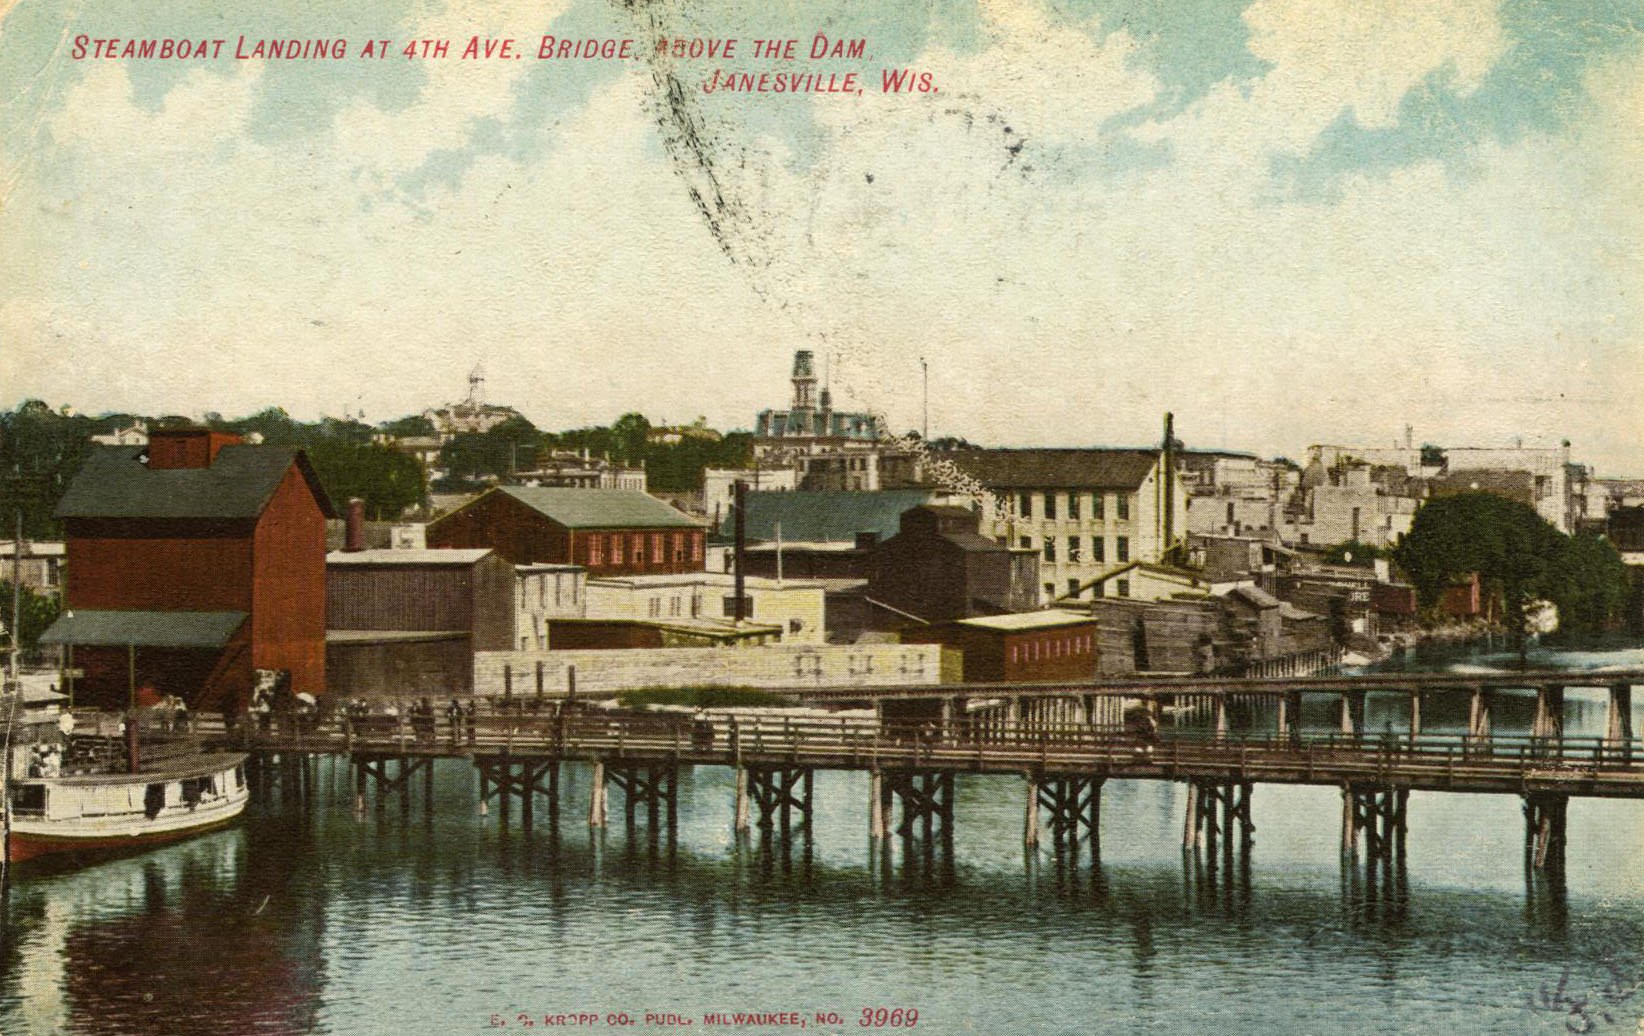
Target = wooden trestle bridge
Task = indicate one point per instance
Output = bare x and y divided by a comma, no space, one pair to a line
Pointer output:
1065,740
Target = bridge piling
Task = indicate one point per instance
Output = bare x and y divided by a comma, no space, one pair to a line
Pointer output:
1544,830
596,797
1479,708
1549,719
1030,815
1073,802
1618,724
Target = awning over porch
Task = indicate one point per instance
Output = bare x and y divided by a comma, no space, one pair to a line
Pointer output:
88,628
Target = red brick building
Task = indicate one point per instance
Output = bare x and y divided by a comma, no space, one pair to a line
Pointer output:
192,562
1024,647
606,531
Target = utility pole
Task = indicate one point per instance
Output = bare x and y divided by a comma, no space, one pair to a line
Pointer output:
16,596
924,376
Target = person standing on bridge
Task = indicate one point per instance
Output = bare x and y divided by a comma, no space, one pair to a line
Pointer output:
453,716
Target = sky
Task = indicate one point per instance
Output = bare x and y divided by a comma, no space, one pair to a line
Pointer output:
1287,221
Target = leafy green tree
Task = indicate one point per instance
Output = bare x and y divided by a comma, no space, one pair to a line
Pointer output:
38,611
1517,554
1590,584
387,480
509,446
631,432
41,449
404,427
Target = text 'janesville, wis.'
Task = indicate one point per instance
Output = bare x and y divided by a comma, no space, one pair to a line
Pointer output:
821,47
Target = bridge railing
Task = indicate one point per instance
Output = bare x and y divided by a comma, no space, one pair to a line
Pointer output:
862,740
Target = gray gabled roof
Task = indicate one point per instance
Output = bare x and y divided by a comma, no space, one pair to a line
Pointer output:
1055,468
823,516
113,483
600,508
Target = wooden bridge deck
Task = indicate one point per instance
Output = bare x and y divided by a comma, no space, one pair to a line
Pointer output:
1584,766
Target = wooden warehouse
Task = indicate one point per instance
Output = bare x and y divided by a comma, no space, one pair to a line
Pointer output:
191,563
406,623
606,531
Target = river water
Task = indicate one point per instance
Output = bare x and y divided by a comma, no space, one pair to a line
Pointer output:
309,918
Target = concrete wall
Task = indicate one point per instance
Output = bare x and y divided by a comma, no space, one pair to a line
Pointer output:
799,607
777,665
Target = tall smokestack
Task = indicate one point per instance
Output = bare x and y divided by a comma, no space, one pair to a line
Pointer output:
741,546
355,537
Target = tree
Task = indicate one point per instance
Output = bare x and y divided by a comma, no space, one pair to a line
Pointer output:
1518,556
41,449
507,447
1590,584
404,427
387,480
632,432
38,611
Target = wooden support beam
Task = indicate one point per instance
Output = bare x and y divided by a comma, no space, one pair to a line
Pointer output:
1618,726
1549,719
1545,830
876,818
596,797
1030,817
1478,714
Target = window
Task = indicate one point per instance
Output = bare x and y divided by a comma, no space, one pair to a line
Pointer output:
1050,549
673,606
679,546
542,591
730,606
616,549
696,546
658,552
655,610
1073,548
573,588
1024,505
1027,542
1123,551
596,550
1098,590
1098,549
1073,588
1124,588
1124,507
1050,589
1073,506
1096,505
639,548
1050,505
556,590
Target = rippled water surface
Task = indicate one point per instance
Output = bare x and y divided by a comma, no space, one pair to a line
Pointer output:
307,917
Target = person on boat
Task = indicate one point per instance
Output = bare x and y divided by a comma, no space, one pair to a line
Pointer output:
453,716
469,715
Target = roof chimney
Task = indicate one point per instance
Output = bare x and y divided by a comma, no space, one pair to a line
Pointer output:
354,539
186,447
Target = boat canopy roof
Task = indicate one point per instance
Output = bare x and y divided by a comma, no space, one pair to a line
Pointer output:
93,628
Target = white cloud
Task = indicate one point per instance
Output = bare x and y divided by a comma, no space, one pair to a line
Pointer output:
191,266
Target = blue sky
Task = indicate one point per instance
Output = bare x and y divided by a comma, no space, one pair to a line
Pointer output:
1286,221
